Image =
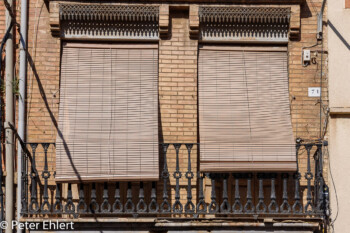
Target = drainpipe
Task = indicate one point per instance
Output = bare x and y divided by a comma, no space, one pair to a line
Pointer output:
9,118
21,102
319,22
319,36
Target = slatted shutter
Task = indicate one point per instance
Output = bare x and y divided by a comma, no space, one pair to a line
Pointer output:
244,110
108,113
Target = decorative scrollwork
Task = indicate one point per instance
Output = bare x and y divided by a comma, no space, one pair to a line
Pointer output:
109,21
244,23
244,14
108,12
251,32
115,29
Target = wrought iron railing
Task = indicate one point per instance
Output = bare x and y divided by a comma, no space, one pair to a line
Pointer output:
189,193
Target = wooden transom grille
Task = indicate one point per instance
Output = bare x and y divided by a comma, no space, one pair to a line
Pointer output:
244,110
244,23
109,21
108,114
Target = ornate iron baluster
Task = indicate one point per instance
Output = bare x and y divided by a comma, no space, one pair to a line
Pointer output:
309,208
189,207
165,206
45,206
261,207
201,206
326,210
285,207
94,207
141,205
69,208
249,206
57,207
177,206
82,206
117,205
24,187
273,207
105,206
225,207
319,180
213,207
129,205
27,175
33,206
297,207
153,205
237,206
1,191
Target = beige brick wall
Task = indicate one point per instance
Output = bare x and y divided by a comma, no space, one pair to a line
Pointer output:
2,20
178,94
42,79
306,110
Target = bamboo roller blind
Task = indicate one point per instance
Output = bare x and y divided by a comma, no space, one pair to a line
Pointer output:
108,113
244,110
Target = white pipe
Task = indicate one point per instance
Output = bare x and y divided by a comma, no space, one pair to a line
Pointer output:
21,100
9,118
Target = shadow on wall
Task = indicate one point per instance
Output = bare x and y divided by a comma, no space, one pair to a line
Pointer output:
341,38
43,96
305,11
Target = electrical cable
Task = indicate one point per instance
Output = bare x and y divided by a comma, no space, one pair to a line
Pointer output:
335,190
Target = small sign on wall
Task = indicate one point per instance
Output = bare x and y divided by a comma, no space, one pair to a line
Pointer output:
314,92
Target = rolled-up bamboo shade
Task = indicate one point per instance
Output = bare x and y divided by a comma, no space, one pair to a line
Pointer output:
244,110
108,113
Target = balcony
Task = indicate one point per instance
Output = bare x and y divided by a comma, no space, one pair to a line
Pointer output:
187,194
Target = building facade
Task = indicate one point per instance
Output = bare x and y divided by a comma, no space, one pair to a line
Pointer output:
182,116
